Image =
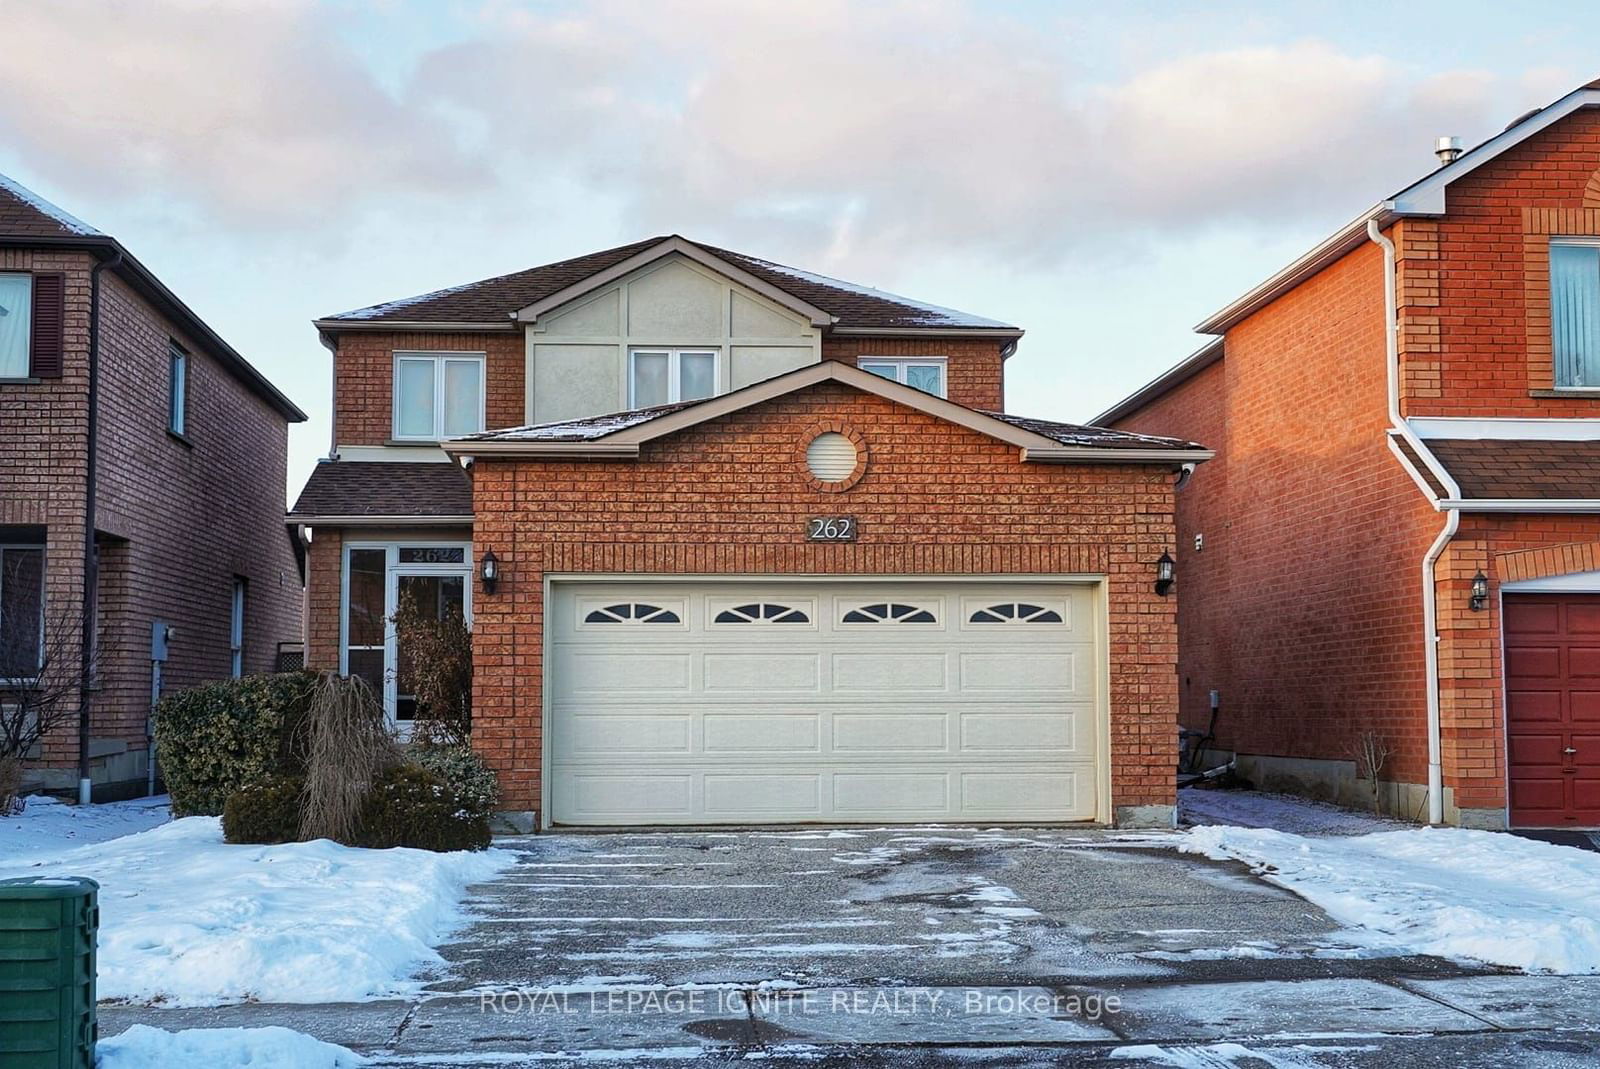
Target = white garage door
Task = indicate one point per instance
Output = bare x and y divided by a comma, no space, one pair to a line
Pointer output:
740,703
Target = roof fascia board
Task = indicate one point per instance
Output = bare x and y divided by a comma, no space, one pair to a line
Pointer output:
155,291
312,520
1427,195
329,325
1411,470
1509,429
928,332
602,449
1513,504
1190,366
1078,454
1350,236
690,250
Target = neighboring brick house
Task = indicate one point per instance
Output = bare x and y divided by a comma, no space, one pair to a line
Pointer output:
188,466
1401,534
765,549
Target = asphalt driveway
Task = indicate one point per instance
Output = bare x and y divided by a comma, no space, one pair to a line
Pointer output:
901,906
925,946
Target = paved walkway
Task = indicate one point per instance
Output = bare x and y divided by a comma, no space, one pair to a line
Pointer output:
927,946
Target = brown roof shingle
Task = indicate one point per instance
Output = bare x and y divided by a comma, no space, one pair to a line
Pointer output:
1497,468
383,488
493,300
25,214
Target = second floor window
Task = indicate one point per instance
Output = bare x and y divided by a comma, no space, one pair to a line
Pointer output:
661,376
177,390
16,323
926,375
1575,312
437,395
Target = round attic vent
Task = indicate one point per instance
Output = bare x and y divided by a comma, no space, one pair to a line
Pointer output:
831,457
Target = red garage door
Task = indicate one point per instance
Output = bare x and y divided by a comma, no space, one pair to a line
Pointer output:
1553,709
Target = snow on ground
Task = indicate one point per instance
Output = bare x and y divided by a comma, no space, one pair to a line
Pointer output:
144,1047
188,920
1450,892
1283,812
48,825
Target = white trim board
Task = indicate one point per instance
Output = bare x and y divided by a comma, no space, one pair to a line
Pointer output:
1574,583
1511,429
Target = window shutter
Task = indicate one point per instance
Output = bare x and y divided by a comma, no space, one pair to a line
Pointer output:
49,326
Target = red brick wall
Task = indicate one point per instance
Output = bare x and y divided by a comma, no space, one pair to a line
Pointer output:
935,499
324,589
1313,539
1198,413
974,375
364,378
1491,300
180,519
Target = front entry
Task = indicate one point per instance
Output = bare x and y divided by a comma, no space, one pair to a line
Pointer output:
1552,654
707,702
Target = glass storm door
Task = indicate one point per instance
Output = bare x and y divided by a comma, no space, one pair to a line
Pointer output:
377,577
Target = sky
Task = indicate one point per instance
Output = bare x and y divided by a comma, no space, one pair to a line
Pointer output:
1104,175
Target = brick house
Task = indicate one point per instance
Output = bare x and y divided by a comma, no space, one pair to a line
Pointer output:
765,549
1401,534
107,381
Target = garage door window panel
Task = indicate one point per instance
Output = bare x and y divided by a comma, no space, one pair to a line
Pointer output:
632,613
890,612
1015,612
766,612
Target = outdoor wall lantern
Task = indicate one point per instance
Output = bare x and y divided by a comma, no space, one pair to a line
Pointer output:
489,571
1480,591
1164,572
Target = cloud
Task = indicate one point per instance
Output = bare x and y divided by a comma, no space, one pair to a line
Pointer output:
833,130
882,131
254,112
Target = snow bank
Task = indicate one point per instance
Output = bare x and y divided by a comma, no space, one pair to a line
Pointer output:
49,826
191,921
1445,891
143,1047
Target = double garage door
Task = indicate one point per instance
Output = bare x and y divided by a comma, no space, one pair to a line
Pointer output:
699,702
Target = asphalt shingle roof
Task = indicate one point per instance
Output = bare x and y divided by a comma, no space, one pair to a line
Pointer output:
1497,468
383,488
495,299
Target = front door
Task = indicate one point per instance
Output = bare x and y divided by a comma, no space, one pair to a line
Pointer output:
1552,654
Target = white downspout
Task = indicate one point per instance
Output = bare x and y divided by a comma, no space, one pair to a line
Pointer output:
1452,521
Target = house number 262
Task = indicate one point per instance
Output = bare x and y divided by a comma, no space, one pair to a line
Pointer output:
831,529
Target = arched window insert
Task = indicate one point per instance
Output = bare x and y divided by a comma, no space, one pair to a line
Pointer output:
890,612
632,612
1015,612
763,612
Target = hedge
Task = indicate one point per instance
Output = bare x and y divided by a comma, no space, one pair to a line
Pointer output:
410,806
214,739
264,812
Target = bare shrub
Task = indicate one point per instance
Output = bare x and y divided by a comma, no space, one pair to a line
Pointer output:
346,746
10,786
43,669
1371,753
437,654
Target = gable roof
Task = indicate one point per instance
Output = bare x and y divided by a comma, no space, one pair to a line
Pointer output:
621,435
27,220
1424,197
493,303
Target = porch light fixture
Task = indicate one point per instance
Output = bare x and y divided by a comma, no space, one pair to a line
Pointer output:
489,571
1480,591
1165,567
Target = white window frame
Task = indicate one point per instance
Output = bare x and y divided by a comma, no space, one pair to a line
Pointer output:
439,360
27,342
674,366
1557,239
236,627
901,363
177,389
393,570
43,596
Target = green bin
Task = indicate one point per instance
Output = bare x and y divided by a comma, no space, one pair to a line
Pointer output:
47,934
